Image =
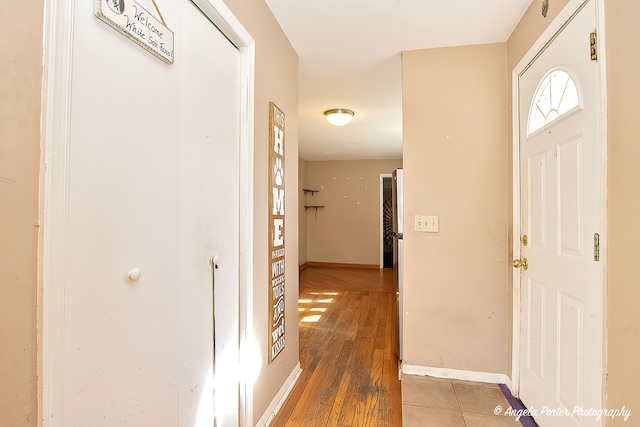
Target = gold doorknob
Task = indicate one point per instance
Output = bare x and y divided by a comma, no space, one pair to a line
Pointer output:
517,263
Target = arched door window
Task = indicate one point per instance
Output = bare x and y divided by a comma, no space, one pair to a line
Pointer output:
557,95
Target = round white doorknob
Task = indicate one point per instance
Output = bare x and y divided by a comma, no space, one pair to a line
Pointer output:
134,274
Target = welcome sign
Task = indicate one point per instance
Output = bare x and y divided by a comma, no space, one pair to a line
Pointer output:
137,24
276,232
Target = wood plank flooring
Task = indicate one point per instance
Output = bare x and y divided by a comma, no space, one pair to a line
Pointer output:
347,351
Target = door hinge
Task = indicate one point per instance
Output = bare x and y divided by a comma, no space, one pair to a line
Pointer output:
593,41
596,247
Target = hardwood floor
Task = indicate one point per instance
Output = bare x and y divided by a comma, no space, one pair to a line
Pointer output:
347,351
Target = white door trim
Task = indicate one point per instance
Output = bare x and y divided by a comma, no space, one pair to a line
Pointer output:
382,177
547,36
53,212
54,198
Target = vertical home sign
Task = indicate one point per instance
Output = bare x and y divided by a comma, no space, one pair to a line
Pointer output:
276,233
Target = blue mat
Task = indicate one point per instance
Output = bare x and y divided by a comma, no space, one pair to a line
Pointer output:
518,406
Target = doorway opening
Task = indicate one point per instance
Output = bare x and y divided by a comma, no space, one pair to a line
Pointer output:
386,219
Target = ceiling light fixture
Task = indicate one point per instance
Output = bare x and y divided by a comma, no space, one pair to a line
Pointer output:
338,116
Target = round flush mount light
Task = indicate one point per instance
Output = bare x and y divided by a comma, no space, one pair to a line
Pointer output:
338,116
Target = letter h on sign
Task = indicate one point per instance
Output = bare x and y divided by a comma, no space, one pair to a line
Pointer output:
278,140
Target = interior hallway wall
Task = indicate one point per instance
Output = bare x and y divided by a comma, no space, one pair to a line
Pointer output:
302,218
623,352
276,80
347,229
455,166
20,87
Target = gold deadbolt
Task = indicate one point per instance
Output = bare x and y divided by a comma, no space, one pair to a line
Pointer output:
525,240
521,263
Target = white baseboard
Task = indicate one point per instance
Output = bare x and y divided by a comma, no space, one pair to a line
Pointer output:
457,374
280,398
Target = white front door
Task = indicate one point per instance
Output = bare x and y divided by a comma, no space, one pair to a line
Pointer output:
561,291
152,196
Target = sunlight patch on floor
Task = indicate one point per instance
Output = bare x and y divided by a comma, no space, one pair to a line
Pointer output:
314,318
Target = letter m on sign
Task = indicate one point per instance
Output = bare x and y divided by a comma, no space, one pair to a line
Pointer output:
278,201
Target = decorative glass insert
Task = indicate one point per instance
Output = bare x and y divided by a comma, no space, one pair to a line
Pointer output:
556,96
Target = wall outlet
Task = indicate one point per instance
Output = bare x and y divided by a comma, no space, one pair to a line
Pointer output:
426,223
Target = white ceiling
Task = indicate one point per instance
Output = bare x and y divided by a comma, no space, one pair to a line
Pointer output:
349,57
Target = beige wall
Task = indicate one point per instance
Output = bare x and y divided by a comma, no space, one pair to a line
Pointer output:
347,230
20,85
302,217
455,166
530,27
276,72
623,63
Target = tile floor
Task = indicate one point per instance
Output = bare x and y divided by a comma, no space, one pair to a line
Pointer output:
437,402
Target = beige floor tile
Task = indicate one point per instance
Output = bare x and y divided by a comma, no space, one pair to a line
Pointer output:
430,394
426,378
479,399
419,416
481,420
475,383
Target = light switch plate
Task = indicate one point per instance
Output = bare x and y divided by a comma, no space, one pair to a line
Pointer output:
432,224
426,223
